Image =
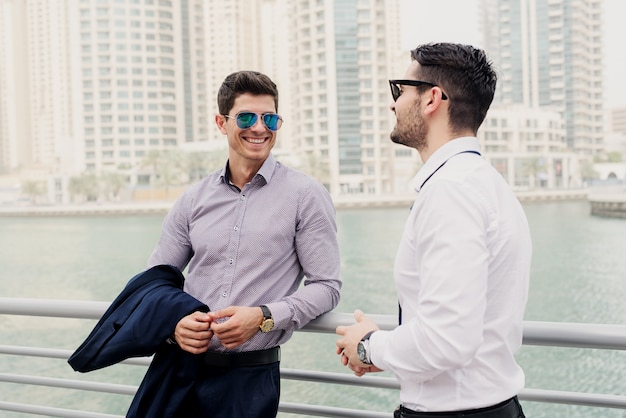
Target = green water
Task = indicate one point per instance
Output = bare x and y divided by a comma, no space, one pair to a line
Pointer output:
578,275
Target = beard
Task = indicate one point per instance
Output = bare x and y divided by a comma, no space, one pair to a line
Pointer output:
410,129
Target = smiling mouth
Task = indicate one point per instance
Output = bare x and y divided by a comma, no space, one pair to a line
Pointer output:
254,140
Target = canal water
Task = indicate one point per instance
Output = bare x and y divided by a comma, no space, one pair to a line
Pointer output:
578,275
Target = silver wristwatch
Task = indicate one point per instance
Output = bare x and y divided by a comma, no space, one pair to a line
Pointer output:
363,349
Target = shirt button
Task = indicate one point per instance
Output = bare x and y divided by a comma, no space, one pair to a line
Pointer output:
242,198
230,261
224,294
236,228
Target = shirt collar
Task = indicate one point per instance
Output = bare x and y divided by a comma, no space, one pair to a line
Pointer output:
443,154
266,171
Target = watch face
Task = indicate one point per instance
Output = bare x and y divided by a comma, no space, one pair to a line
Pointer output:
267,325
360,349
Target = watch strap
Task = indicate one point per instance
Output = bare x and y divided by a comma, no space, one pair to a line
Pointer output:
266,312
268,322
367,336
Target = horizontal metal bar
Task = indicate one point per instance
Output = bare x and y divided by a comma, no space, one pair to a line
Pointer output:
573,398
54,382
330,411
18,350
313,410
567,334
52,412
57,308
560,334
340,378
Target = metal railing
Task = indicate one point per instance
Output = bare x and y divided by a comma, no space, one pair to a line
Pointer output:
557,334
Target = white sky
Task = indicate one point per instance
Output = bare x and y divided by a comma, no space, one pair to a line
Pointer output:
456,21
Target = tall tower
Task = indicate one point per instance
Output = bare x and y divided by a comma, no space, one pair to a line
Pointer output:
232,44
14,122
53,103
142,78
344,53
37,104
549,53
192,59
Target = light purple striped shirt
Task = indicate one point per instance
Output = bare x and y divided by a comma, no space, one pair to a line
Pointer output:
254,247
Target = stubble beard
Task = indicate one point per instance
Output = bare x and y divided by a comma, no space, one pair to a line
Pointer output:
412,132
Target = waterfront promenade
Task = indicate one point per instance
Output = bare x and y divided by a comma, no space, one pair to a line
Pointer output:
342,202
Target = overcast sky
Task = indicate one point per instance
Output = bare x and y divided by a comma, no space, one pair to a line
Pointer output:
455,21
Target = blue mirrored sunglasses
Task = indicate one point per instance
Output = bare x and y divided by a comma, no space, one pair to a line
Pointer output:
246,120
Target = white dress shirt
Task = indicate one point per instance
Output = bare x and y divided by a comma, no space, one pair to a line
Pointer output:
462,271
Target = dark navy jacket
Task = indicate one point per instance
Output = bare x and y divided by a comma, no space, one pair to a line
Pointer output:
137,324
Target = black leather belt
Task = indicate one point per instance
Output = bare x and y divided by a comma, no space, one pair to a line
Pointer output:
506,409
243,359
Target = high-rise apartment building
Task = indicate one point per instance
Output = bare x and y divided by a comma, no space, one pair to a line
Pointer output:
617,120
142,78
343,53
53,71
233,32
5,152
8,157
106,82
549,54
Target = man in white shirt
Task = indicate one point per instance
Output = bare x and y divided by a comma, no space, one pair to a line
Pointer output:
463,264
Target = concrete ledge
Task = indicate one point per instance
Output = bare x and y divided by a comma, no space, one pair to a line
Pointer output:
342,202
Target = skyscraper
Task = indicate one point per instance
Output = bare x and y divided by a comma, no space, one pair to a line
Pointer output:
549,53
106,82
142,78
344,51
10,64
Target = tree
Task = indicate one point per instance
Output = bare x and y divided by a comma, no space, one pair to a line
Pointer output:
112,183
84,187
166,168
34,189
531,168
198,164
170,169
614,157
316,167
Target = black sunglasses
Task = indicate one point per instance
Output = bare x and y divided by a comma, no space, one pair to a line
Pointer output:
396,91
246,120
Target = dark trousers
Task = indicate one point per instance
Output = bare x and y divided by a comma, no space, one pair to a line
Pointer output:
251,392
510,408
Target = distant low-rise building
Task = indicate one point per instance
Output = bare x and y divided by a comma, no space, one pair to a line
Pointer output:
528,147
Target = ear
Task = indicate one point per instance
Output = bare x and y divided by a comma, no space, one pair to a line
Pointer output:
432,100
220,121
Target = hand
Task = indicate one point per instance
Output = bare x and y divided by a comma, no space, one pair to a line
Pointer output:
347,346
358,370
193,332
241,324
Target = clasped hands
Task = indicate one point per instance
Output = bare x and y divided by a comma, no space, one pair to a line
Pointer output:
347,345
233,326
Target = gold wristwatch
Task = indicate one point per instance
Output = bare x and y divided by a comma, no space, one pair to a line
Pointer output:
268,322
